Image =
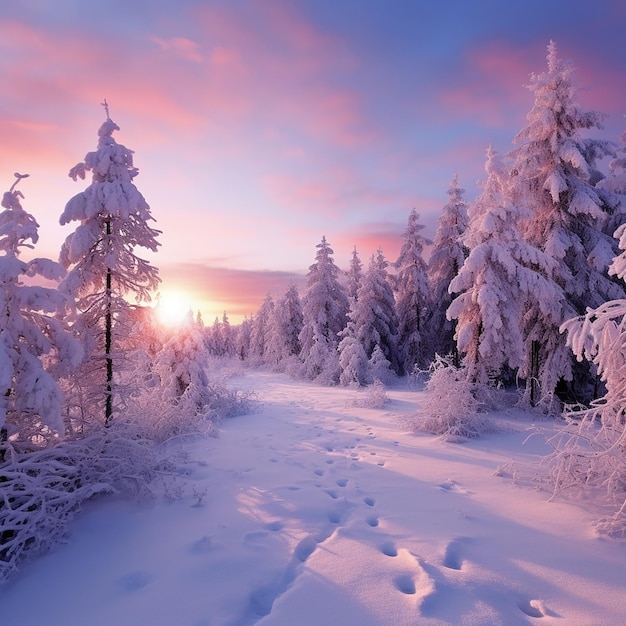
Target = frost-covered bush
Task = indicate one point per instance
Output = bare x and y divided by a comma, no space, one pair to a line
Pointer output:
373,397
592,453
450,407
42,491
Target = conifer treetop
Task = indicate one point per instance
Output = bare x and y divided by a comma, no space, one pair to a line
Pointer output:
16,225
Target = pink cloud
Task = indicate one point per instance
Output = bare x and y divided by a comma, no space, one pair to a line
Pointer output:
494,85
217,289
181,47
329,191
368,238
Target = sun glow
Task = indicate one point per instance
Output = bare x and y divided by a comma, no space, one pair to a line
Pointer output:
172,307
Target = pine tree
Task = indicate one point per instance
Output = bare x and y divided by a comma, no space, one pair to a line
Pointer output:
353,362
324,316
374,313
554,173
259,332
35,345
242,339
446,259
181,362
496,281
412,295
284,329
113,220
354,276
614,186
228,336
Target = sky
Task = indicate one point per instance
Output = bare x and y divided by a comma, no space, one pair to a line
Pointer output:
260,126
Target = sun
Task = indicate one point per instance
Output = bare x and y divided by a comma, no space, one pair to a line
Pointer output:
172,307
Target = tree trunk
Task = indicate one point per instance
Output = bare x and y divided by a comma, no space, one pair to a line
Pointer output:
534,373
108,341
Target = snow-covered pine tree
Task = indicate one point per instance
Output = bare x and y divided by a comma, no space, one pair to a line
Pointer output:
411,295
324,315
554,174
36,347
113,220
496,281
374,313
213,338
353,362
181,362
259,332
228,336
614,186
446,259
285,325
354,276
242,338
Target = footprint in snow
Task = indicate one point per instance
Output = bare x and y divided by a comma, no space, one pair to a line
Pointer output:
334,517
275,526
453,554
331,493
369,501
305,548
342,482
389,549
405,584
318,472
372,521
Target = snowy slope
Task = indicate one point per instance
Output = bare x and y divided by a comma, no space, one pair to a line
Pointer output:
313,511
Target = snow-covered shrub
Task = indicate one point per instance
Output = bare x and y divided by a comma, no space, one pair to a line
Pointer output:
592,453
373,397
42,491
450,407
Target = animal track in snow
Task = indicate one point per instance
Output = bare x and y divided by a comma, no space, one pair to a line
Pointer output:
275,526
331,493
369,501
372,521
334,517
453,555
405,584
318,472
389,549
342,482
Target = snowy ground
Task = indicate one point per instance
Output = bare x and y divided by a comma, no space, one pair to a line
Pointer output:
315,512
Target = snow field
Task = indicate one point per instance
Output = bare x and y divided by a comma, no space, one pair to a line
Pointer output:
313,511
